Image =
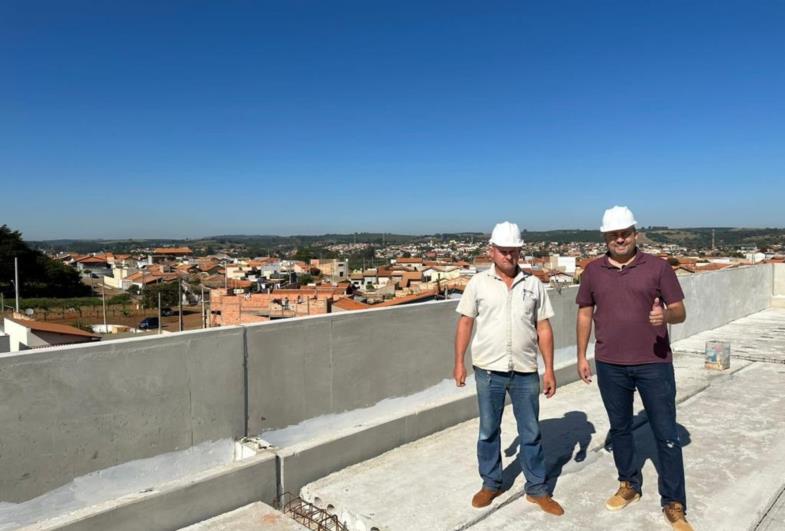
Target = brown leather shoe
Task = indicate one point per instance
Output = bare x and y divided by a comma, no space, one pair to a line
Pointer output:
547,504
674,513
484,497
624,496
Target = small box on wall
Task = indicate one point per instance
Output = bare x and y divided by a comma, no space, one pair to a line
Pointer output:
717,355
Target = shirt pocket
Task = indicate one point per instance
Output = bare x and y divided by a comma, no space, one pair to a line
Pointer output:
528,305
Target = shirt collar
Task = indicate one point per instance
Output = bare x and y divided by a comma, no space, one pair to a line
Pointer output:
640,258
519,277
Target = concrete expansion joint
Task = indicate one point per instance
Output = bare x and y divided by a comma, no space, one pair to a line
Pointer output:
487,513
776,499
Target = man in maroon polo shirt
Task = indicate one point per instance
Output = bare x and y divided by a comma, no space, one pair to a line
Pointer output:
632,296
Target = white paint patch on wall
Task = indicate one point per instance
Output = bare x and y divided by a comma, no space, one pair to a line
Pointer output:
330,425
114,482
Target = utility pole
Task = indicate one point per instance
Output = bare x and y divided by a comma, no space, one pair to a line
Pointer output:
16,281
180,304
204,314
159,311
103,303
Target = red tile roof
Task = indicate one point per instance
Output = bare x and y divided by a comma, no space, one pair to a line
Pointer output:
711,266
38,326
350,304
92,260
172,250
408,298
238,284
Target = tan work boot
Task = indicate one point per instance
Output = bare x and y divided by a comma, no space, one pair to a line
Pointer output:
484,497
623,497
674,513
547,504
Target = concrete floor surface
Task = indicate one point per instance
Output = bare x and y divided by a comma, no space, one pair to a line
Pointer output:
249,518
733,434
759,337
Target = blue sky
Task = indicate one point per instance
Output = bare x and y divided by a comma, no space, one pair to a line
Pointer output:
187,119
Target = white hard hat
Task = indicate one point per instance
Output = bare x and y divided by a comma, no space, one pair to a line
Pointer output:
617,218
506,234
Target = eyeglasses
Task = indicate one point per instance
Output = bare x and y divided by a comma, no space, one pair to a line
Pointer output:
624,234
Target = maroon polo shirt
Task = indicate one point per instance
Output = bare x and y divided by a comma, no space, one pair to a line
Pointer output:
623,299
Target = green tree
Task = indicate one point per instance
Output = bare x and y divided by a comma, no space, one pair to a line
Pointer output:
169,295
120,299
39,275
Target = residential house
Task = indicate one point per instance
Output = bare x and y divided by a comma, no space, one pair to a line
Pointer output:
26,334
93,264
163,254
436,273
414,262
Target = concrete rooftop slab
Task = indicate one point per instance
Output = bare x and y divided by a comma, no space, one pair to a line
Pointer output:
428,484
734,421
758,337
733,433
249,518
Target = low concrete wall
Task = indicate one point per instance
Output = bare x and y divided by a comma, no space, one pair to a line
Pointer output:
68,411
716,298
180,503
339,362
778,288
305,368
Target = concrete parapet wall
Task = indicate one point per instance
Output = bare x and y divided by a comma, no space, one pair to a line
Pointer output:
339,362
72,410
778,287
306,368
716,298
68,411
565,314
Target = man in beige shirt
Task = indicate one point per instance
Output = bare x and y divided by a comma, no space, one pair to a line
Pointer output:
512,311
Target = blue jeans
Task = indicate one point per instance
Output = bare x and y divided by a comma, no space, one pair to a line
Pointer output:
657,388
524,390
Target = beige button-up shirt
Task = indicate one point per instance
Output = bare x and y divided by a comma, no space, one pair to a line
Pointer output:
505,336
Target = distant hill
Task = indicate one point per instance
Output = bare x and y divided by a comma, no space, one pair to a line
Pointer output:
263,244
256,242
723,236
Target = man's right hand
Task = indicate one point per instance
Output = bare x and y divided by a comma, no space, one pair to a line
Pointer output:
584,370
459,374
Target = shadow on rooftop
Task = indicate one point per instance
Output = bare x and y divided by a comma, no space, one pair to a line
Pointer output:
563,440
568,439
646,447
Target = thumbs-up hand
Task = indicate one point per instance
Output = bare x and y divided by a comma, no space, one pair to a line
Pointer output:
657,314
